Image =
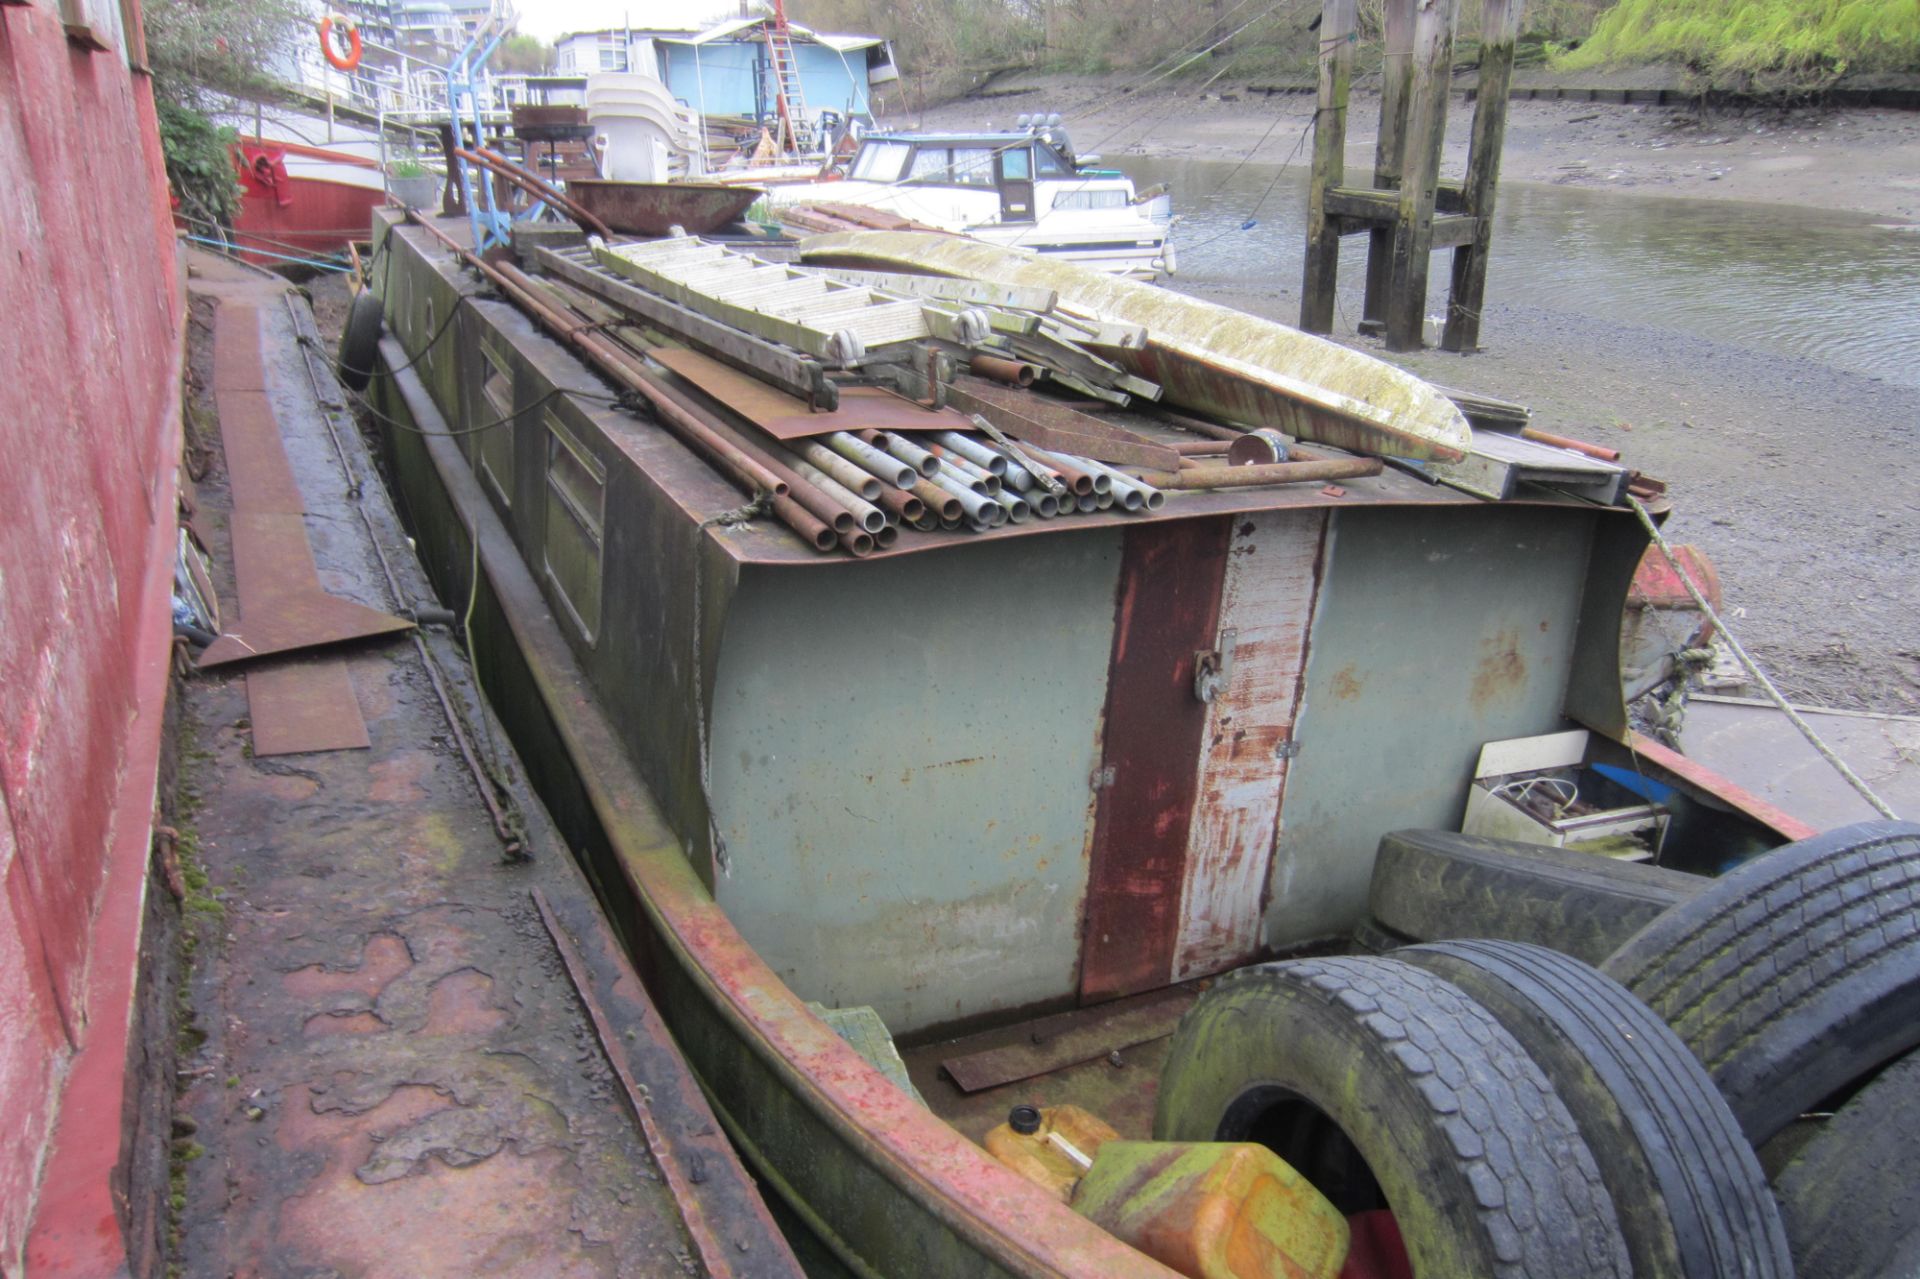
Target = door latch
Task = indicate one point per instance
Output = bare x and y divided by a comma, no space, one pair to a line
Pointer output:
1213,668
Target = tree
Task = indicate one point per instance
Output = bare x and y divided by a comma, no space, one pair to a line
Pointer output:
523,54
199,49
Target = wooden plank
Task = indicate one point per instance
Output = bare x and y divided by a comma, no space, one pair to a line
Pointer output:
1067,1039
1266,605
1426,131
786,418
302,706
1500,28
1337,35
1396,84
1057,426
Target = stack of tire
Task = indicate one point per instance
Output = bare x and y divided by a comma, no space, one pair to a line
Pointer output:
1604,1089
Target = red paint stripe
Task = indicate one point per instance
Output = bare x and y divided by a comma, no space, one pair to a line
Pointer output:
1700,777
1169,606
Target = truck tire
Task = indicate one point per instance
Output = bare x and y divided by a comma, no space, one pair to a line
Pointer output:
1435,885
1666,1143
1848,1195
1370,937
1388,1086
360,341
1794,975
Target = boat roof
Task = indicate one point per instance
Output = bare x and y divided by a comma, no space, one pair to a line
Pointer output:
952,139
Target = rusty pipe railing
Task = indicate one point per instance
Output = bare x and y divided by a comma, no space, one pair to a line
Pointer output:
1221,477
501,167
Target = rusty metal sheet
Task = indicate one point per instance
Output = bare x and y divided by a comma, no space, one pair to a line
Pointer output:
302,706
258,475
724,1215
1266,607
1066,1039
236,349
785,417
1167,612
1059,427
282,605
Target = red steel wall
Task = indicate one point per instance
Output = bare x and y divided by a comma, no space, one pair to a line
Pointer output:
89,316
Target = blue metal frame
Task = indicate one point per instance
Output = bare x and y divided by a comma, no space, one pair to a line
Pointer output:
489,226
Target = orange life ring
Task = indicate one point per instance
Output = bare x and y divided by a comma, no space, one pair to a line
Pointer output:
349,60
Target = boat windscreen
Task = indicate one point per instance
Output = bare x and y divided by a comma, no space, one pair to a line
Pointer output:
880,161
973,166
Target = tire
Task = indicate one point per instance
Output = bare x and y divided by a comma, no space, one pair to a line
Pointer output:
1435,885
360,341
1848,1196
1666,1143
1390,1087
1794,975
1371,938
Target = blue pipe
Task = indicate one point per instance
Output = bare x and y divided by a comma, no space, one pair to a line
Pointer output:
284,257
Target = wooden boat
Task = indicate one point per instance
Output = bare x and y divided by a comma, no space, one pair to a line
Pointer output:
655,208
1206,357
976,779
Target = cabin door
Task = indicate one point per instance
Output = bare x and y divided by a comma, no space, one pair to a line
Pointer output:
1209,649
1013,174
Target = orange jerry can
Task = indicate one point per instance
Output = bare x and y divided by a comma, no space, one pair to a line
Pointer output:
1051,1147
1214,1210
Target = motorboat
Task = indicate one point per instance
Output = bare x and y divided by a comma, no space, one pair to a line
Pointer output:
1022,189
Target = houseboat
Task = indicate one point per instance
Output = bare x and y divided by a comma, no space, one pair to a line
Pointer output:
1020,794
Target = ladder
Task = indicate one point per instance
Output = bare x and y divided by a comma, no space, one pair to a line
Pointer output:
789,102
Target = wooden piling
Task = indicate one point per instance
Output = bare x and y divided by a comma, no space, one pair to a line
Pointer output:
1433,32
1500,29
1337,31
1396,82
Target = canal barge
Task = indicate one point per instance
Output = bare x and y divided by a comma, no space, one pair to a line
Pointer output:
1008,785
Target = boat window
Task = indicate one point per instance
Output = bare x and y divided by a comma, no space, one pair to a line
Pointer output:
880,161
576,512
1049,163
1016,165
496,402
1109,199
929,165
973,166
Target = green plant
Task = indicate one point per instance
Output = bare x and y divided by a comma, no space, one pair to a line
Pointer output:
199,165
1734,42
405,164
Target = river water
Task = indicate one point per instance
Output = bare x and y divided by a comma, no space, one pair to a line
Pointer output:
1829,287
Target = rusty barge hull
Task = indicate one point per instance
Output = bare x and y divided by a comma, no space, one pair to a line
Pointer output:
911,782
1205,357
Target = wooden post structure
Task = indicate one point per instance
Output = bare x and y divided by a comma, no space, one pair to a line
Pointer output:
1337,32
1500,29
1433,29
1396,84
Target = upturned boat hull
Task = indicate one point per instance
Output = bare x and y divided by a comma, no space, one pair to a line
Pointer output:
1205,357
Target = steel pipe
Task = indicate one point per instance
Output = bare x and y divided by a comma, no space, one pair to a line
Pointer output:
1017,511
1086,503
1072,470
903,448
861,481
936,499
868,458
1042,503
978,506
992,461
978,474
1011,372
900,504
870,517
1151,498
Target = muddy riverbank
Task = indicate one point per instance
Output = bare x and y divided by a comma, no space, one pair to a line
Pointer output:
1785,417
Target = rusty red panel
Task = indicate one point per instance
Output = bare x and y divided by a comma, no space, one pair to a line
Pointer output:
90,370
1168,610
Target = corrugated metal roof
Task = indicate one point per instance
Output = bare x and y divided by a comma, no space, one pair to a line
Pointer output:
840,44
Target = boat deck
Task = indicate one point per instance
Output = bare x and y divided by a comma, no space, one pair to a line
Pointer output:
411,1050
